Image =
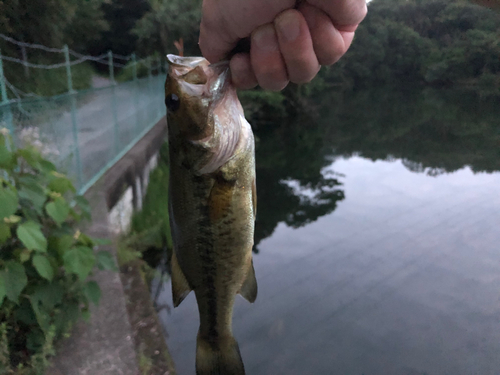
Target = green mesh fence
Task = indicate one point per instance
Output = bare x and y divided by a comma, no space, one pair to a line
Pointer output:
86,132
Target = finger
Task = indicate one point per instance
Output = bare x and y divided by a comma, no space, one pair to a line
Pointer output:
266,59
329,43
241,71
224,22
343,13
215,41
296,46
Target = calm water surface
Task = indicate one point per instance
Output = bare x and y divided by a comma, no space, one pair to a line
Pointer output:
378,242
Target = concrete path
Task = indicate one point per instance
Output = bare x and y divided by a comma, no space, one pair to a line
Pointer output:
105,345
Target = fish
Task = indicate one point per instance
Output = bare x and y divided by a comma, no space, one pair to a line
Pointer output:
212,204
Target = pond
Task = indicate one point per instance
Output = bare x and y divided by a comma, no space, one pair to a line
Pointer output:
377,241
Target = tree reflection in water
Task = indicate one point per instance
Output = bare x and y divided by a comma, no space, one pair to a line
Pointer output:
431,131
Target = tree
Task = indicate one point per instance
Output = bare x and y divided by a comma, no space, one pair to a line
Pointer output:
166,22
121,15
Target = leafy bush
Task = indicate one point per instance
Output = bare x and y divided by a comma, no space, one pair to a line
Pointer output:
44,260
127,72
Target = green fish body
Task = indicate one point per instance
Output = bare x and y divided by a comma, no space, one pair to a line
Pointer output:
212,204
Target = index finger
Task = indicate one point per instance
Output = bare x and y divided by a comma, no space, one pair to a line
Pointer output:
215,40
225,22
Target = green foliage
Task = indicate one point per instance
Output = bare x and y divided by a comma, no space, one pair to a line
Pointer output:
52,23
44,259
422,41
166,22
127,73
121,15
50,82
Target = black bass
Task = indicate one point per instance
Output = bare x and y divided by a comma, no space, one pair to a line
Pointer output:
212,204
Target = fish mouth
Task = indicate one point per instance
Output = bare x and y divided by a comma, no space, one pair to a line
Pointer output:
186,62
198,77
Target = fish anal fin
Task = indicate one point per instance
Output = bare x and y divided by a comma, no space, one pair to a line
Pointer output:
249,288
180,286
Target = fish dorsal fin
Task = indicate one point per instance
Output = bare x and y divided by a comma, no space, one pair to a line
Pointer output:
180,286
249,288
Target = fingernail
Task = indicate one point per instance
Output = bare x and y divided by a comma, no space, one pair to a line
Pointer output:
288,26
265,38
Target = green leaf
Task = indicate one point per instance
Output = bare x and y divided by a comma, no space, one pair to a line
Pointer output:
42,317
5,157
43,267
93,292
49,294
85,240
106,261
8,202
14,278
84,205
62,243
4,232
31,156
34,194
31,236
58,210
80,261
61,184
24,312
2,290
46,166
24,255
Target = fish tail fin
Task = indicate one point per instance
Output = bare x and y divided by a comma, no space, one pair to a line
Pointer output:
220,358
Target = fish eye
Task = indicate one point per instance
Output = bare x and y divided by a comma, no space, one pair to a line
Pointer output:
172,102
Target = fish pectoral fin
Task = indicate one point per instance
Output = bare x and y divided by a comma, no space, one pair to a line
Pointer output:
180,285
249,288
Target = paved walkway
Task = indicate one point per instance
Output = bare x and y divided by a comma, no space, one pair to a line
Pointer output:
105,345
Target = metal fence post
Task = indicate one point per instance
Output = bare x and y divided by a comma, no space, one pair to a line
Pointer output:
136,95
150,87
5,104
72,94
116,131
159,105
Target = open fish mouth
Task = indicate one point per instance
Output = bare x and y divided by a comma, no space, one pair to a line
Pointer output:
187,62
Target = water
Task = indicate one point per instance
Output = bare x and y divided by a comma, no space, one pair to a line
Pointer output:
377,242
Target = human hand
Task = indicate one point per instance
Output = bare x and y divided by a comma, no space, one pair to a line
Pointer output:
288,42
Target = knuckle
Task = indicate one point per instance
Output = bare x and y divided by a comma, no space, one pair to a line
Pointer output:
304,75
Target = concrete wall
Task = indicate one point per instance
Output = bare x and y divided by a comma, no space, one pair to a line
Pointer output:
125,195
120,214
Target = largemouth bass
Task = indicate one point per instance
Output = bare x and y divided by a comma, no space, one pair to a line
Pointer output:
212,204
